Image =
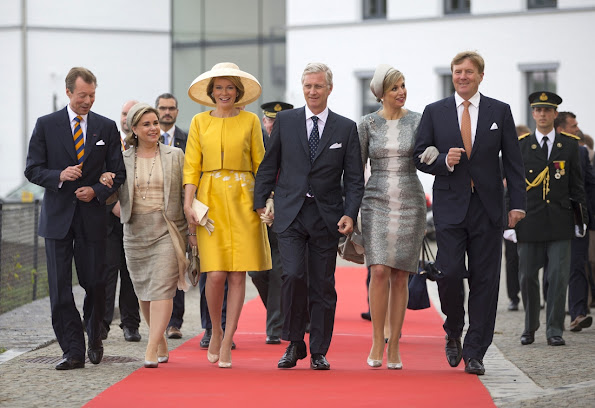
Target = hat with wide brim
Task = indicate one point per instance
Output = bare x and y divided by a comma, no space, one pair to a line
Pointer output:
198,89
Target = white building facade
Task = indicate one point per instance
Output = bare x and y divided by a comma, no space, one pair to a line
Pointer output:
527,45
126,44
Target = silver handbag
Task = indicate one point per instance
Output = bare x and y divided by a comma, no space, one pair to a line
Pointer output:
351,247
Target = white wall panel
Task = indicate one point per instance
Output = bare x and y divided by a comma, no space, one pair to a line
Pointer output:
10,12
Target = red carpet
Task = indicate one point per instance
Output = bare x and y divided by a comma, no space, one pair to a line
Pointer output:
426,380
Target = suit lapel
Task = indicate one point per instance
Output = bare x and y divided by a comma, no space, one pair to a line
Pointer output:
451,121
92,134
302,130
166,166
484,119
326,134
66,138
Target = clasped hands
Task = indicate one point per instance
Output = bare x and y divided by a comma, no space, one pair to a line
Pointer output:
72,173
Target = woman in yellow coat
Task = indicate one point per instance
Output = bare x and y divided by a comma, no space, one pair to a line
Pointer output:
224,149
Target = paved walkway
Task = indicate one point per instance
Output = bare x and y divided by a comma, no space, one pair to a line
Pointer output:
517,376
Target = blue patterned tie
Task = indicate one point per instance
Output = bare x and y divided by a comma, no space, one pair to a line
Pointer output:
79,142
313,143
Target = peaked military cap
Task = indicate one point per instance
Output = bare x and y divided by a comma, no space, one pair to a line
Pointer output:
544,99
270,109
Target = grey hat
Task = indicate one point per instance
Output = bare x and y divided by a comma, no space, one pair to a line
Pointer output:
377,83
133,111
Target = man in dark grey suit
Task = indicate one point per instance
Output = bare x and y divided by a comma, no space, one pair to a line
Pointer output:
467,131
68,152
310,150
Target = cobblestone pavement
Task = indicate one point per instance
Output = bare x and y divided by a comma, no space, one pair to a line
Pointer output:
516,376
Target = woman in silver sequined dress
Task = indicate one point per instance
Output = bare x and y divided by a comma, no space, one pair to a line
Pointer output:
393,209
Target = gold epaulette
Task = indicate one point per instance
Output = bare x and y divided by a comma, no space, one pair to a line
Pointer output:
569,135
524,136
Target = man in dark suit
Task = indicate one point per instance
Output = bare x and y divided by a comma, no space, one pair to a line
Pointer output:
578,282
268,283
310,150
467,132
68,152
554,187
116,262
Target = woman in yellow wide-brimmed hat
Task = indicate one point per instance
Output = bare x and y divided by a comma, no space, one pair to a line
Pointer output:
224,149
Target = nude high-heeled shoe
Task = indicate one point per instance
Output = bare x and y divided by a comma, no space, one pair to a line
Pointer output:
162,356
374,363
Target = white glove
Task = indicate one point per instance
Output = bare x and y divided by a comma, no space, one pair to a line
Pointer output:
510,235
577,232
209,225
429,155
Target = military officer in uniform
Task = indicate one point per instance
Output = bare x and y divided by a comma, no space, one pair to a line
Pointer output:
268,283
555,203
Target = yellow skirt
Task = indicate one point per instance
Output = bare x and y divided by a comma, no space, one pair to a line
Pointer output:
239,241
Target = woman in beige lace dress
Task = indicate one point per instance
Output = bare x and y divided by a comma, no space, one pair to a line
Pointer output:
393,210
151,205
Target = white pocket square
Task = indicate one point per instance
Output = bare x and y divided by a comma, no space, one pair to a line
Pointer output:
100,143
336,146
494,126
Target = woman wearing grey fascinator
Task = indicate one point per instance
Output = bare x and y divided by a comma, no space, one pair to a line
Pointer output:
393,209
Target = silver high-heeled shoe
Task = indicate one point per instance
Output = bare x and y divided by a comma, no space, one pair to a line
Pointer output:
394,366
224,365
374,363
151,364
163,359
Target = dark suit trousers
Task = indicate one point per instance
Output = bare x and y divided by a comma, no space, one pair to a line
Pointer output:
116,262
89,258
532,257
311,284
268,284
512,270
205,317
482,242
177,312
578,283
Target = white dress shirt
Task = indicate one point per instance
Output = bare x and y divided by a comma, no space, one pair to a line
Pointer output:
550,141
322,118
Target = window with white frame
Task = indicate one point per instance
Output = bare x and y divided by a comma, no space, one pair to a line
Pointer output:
533,4
374,9
457,6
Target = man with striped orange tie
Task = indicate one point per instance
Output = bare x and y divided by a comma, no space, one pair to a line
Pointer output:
68,152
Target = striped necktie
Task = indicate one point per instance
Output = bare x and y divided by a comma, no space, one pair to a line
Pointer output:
79,142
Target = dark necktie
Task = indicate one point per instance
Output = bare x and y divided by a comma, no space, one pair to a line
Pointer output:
313,143
544,146
314,138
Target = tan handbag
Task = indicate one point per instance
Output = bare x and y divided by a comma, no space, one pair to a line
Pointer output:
351,247
193,269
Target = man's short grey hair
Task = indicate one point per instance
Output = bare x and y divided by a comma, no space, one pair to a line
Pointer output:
315,67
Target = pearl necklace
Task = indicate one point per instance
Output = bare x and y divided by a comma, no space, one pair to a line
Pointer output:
144,196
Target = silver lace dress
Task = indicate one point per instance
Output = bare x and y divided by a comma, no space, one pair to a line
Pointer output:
393,210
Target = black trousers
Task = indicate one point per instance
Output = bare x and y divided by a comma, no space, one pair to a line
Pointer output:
268,284
309,256
177,313
116,262
477,237
89,258
578,282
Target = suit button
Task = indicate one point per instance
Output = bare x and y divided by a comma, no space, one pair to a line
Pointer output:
547,201
530,171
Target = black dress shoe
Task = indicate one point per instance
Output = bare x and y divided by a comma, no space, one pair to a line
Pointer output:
103,331
273,340
513,306
70,364
475,366
556,341
366,316
319,362
527,338
454,351
294,352
95,352
206,338
131,334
